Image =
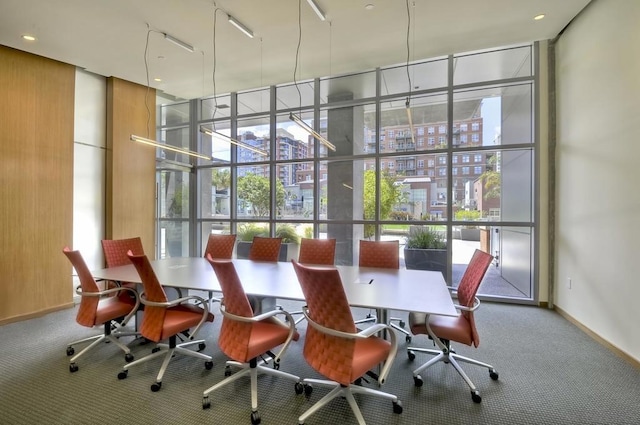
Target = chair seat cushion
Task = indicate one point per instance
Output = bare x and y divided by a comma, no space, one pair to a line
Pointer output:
367,354
112,308
265,335
180,318
455,329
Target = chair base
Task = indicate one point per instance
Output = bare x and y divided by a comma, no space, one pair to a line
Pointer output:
347,392
253,368
168,351
107,336
448,356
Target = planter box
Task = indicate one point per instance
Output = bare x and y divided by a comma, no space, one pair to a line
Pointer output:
470,234
288,251
426,259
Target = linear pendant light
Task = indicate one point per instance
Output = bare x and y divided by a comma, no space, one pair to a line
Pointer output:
311,131
186,46
243,28
317,9
150,142
227,139
408,107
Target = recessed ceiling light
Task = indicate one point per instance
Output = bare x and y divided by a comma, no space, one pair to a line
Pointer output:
28,37
538,17
157,79
369,6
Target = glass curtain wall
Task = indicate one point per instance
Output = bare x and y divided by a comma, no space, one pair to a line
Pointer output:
445,147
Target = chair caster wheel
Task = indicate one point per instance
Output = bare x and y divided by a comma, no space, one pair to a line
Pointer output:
70,351
493,374
407,338
417,381
123,374
255,418
202,346
208,365
155,387
308,389
128,357
155,349
397,407
227,371
73,367
401,323
206,403
276,365
411,355
475,396
299,387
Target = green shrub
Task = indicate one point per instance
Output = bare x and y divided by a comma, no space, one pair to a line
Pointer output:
425,238
247,231
288,233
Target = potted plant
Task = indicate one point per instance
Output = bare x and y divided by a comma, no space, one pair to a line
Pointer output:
426,249
469,232
290,239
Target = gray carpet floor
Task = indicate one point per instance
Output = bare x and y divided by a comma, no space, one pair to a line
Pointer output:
550,373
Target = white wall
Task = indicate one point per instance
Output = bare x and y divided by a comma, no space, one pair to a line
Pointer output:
598,202
89,166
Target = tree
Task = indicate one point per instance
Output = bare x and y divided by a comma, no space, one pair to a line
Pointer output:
491,179
390,194
221,179
254,190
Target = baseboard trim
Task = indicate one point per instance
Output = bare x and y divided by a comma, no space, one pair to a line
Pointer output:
634,362
33,315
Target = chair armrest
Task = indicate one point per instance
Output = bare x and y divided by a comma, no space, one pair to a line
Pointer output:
474,307
178,301
111,291
363,334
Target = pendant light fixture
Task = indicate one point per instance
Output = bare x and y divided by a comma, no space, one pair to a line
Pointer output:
408,101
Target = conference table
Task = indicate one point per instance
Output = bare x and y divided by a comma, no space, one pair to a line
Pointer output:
375,288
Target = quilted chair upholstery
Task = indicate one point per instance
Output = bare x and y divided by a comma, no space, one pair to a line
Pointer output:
220,246
164,319
100,308
461,329
115,255
265,249
385,255
334,347
245,337
317,251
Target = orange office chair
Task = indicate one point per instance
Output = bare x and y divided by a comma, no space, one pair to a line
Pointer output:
265,249
219,247
245,337
165,319
115,254
460,329
316,251
96,309
386,255
334,347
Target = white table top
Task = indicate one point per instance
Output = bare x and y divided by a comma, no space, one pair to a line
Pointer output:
402,289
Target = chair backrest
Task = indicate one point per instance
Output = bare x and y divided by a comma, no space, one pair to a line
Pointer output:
220,246
265,249
88,305
115,250
317,251
382,254
469,285
234,335
153,318
328,306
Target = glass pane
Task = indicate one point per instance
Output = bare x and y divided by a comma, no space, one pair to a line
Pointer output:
178,137
429,119
252,102
254,132
498,115
174,194
215,192
254,196
348,87
174,114
216,227
294,96
211,108
349,128
217,147
293,140
174,239
246,232
297,181
494,65
423,76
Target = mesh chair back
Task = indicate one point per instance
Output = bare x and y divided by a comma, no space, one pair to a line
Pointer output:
317,251
220,246
265,249
88,305
382,254
153,319
115,250
469,285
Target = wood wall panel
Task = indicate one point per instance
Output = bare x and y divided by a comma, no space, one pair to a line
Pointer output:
130,165
36,190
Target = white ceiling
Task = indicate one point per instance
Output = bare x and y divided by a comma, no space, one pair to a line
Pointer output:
108,37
